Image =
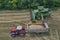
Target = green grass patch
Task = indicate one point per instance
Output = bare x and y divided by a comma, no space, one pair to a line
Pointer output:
27,10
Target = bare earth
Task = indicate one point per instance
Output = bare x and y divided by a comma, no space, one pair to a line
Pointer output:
53,34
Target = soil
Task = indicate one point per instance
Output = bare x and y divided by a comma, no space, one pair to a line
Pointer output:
52,34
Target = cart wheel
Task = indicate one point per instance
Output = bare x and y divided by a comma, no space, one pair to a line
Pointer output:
13,35
22,35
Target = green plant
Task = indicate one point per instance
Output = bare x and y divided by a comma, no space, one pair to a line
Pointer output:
40,13
26,4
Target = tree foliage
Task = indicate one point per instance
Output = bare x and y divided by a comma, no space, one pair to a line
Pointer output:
25,4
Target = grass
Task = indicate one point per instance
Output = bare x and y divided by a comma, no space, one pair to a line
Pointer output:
26,10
